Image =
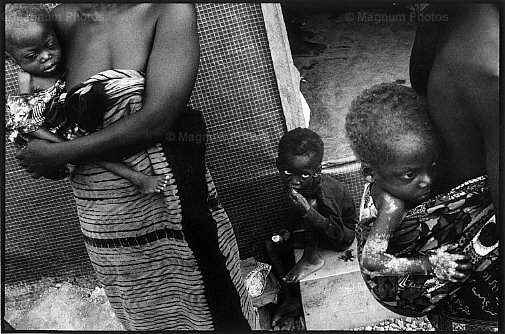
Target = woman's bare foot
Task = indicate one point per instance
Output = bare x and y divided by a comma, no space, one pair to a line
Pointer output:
150,184
289,308
309,263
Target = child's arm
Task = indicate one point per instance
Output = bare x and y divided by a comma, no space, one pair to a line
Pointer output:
338,224
375,260
25,82
45,134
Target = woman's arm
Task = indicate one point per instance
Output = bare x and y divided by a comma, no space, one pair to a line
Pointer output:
170,75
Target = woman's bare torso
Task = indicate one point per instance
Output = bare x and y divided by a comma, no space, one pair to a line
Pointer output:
462,94
98,37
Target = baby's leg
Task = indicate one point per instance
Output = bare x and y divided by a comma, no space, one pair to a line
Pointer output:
311,260
147,184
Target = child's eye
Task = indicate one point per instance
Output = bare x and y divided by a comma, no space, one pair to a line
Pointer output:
408,175
52,45
287,173
31,56
305,176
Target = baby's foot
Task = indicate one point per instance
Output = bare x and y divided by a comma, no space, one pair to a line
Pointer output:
153,184
309,263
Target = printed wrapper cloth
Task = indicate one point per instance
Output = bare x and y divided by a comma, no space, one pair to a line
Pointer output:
464,216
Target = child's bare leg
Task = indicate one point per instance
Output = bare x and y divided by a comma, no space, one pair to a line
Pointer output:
147,184
310,262
281,258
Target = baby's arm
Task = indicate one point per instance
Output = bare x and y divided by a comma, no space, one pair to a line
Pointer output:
45,134
375,260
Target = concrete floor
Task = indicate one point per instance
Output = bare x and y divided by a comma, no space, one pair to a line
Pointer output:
358,55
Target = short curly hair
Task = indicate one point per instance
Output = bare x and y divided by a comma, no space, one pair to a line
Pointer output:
379,115
301,141
19,16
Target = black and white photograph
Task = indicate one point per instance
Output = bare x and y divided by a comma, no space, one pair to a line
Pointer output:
252,166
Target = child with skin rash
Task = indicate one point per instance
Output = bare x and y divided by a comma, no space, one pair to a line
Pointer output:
321,206
391,133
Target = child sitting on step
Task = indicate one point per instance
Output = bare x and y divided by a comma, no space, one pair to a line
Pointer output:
321,207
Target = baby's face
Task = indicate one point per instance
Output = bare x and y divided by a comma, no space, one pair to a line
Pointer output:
410,176
37,50
299,172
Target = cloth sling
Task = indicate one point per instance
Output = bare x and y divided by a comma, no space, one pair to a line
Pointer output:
464,216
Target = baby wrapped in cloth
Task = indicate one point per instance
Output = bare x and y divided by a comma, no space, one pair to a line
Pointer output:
464,216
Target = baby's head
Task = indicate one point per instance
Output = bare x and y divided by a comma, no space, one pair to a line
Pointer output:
390,132
30,39
299,160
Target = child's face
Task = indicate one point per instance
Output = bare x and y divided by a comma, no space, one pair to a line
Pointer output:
411,175
299,172
37,50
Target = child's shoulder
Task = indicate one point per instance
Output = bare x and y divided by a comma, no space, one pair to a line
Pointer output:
332,188
331,182
386,202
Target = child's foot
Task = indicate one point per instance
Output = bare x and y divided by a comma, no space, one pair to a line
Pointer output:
153,184
308,264
289,308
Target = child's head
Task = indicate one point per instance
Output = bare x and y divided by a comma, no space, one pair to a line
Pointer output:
390,131
299,159
30,39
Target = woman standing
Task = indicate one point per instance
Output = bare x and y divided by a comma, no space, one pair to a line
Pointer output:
168,261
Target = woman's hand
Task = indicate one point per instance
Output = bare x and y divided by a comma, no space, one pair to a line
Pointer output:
37,158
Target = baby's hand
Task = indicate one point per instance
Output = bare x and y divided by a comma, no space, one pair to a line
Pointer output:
449,266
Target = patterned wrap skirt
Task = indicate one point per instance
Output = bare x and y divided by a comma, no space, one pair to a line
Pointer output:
168,261
464,216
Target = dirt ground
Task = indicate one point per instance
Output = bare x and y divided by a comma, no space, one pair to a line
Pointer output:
358,54
48,305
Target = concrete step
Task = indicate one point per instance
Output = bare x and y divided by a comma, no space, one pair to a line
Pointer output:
336,298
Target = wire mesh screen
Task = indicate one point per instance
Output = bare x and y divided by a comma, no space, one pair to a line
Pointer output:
237,92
